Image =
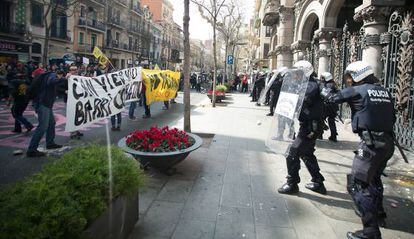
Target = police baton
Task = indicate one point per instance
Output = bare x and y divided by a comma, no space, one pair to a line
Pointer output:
400,149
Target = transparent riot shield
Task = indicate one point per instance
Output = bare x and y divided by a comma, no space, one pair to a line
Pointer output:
267,88
288,107
269,83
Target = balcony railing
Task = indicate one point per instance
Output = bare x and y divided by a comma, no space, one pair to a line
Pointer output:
134,29
60,35
137,8
85,48
117,22
103,2
12,28
92,23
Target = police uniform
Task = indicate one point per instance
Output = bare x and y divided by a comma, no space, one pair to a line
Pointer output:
373,118
330,110
303,146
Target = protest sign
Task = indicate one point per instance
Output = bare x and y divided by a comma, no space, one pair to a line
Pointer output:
91,99
160,85
85,60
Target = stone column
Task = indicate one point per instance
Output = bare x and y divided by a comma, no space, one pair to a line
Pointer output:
375,23
325,36
285,34
299,49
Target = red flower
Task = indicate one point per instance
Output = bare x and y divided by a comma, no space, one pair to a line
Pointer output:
159,140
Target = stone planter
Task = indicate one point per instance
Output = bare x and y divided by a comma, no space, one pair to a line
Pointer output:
163,161
116,224
219,96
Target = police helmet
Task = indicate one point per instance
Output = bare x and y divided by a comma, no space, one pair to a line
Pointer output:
306,66
326,76
359,70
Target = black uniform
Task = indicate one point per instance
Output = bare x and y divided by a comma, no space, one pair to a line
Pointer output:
330,110
259,84
275,92
303,147
373,118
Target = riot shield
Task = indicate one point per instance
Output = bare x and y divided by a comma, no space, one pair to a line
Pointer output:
269,83
267,88
288,107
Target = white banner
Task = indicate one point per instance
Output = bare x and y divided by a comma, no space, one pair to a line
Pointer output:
91,99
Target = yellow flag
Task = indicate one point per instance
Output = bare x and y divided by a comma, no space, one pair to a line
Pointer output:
97,53
157,67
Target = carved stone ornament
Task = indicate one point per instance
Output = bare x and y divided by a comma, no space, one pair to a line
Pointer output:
372,14
372,39
282,49
300,46
323,53
326,34
286,14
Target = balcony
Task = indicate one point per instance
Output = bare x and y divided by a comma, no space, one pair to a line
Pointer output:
123,2
63,36
12,28
137,9
85,48
134,29
94,24
116,22
271,15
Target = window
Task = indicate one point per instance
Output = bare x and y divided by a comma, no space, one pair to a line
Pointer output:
37,48
83,11
265,50
93,39
117,36
268,31
37,14
81,37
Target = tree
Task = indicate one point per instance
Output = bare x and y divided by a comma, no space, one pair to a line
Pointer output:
210,11
229,28
52,10
186,68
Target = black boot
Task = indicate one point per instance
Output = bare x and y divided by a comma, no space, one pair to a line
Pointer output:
289,188
333,138
316,187
360,235
270,114
356,235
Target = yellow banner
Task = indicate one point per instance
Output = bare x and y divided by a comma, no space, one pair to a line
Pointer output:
160,85
97,53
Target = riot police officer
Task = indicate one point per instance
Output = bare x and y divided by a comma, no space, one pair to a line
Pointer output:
330,110
275,90
303,146
373,118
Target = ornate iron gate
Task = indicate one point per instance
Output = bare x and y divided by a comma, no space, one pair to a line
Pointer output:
398,74
344,50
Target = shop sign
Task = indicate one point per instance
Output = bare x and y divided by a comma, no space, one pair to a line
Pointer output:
7,46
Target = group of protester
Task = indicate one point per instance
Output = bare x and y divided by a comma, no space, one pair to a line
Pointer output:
373,117
22,84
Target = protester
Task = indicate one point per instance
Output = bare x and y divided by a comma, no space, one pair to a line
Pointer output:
245,84
43,104
18,92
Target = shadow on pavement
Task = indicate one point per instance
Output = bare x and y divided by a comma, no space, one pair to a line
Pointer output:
340,145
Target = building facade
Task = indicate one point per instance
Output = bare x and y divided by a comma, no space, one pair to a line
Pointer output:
121,28
333,33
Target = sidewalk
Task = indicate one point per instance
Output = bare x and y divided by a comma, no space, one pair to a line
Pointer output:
228,189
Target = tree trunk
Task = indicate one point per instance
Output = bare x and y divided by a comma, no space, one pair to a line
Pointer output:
225,60
213,97
46,46
186,68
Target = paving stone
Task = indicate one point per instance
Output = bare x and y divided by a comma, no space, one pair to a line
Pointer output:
267,232
236,195
200,211
146,196
161,219
271,211
176,191
194,229
235,223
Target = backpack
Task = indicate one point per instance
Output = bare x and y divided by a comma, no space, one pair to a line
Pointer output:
35,87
